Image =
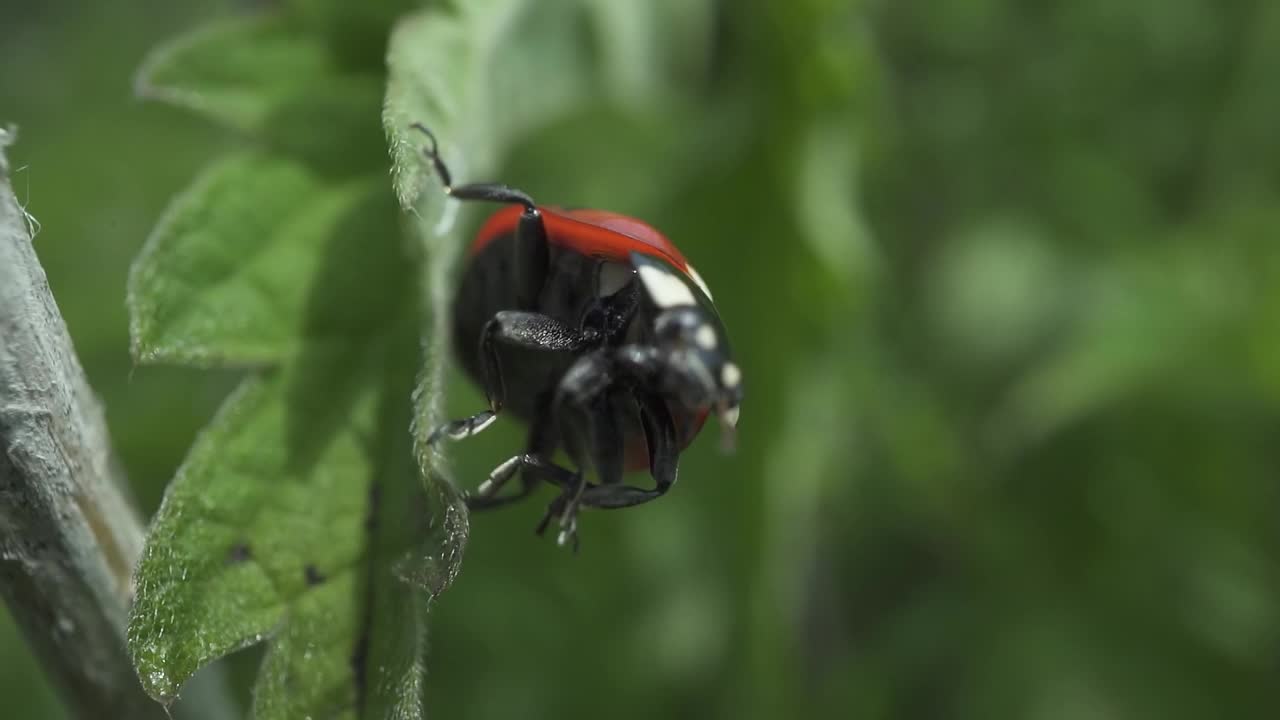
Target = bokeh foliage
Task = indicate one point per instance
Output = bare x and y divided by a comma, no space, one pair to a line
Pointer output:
1002,276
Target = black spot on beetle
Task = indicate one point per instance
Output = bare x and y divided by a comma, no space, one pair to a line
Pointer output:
238,553
312,575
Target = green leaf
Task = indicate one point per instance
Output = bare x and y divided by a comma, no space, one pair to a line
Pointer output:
296,517
296,505
266,76
225,277
285,522
480,78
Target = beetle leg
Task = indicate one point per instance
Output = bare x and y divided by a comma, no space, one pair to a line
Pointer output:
584,381
532,331
565,507
516,328
581,411
531,258
531,254
593,419
664,458
586,407
492,192
462,428
642,364
582,407
534,467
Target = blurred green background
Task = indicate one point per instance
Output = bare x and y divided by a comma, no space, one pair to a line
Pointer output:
1004,278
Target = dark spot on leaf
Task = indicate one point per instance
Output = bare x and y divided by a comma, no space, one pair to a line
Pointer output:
375,497
359,661
360,653
312,575
238,553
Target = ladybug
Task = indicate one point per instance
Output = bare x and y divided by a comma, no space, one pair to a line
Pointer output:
594,329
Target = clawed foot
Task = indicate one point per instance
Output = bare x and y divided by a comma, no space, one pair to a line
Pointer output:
565,507
464,428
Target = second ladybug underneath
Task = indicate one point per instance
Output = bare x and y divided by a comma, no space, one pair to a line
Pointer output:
594,329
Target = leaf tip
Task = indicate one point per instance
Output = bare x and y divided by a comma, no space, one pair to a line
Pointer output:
150,664
145,83
142,343
143,87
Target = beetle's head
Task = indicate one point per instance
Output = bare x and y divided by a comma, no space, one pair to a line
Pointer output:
699,367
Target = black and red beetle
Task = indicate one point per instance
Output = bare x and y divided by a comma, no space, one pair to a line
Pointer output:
593,328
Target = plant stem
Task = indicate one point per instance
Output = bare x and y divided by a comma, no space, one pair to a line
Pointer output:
69,535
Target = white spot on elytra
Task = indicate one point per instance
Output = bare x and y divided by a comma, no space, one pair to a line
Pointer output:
705,337
702,284
666,289
613,277
730,416
730,375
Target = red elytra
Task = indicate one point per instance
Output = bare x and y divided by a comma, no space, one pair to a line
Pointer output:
596,233
607,235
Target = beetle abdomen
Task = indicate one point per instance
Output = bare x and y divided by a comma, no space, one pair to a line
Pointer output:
488,287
